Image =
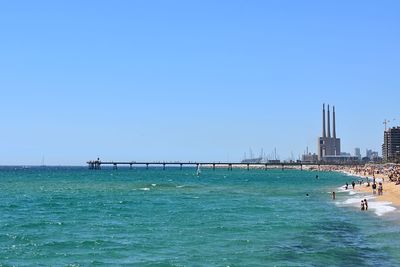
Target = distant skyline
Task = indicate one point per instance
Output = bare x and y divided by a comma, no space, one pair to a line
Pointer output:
193,80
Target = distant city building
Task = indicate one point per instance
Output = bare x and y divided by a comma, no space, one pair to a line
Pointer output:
368,153
252,160
357,152
345,157
274,161
371,155
391,145
328,146
309,158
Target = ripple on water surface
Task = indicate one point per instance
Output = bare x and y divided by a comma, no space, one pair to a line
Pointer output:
75,216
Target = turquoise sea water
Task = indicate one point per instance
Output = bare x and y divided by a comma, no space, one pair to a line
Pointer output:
80,217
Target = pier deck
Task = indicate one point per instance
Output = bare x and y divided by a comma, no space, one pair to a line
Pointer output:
96,164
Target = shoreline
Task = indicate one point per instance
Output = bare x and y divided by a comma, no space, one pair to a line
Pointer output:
387,174
391,191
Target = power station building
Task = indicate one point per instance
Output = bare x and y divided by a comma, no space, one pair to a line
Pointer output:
329,145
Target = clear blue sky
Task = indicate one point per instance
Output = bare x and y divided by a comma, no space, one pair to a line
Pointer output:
192,80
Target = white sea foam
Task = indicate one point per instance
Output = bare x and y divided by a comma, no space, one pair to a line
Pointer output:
353,174
153,185
144,189
343,189
378,207
354,201
381,207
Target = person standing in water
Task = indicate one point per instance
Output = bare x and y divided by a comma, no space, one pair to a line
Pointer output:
365,204
353,184
362,205
333,195
374,188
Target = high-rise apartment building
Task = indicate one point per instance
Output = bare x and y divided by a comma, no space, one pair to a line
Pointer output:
391,145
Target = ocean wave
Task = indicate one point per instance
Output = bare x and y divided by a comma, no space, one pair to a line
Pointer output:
380,208
342,189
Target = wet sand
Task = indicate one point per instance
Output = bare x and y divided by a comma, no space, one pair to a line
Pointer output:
391,191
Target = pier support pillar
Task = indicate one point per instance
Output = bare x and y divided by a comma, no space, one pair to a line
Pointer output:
248,167
147,166
130,166
230,167
164,166
214,167
181,166
115,166
266,167
301,167
283,167
94,165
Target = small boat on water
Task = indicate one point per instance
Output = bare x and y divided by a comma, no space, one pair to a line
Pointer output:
198,171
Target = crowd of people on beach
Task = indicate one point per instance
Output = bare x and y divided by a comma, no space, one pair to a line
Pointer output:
372,176
390,171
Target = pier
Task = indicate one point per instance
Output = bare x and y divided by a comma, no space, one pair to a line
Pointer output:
97,164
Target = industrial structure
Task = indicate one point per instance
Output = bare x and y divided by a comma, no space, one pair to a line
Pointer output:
328,145
391,145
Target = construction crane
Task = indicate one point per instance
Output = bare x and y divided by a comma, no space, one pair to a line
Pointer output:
386,122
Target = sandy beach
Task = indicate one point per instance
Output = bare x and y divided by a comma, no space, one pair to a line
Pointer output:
391,191
382,173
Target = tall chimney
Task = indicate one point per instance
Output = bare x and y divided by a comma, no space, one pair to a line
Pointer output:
323,122
329,124
334,123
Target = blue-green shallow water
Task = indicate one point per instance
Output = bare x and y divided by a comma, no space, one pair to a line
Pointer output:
80,217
